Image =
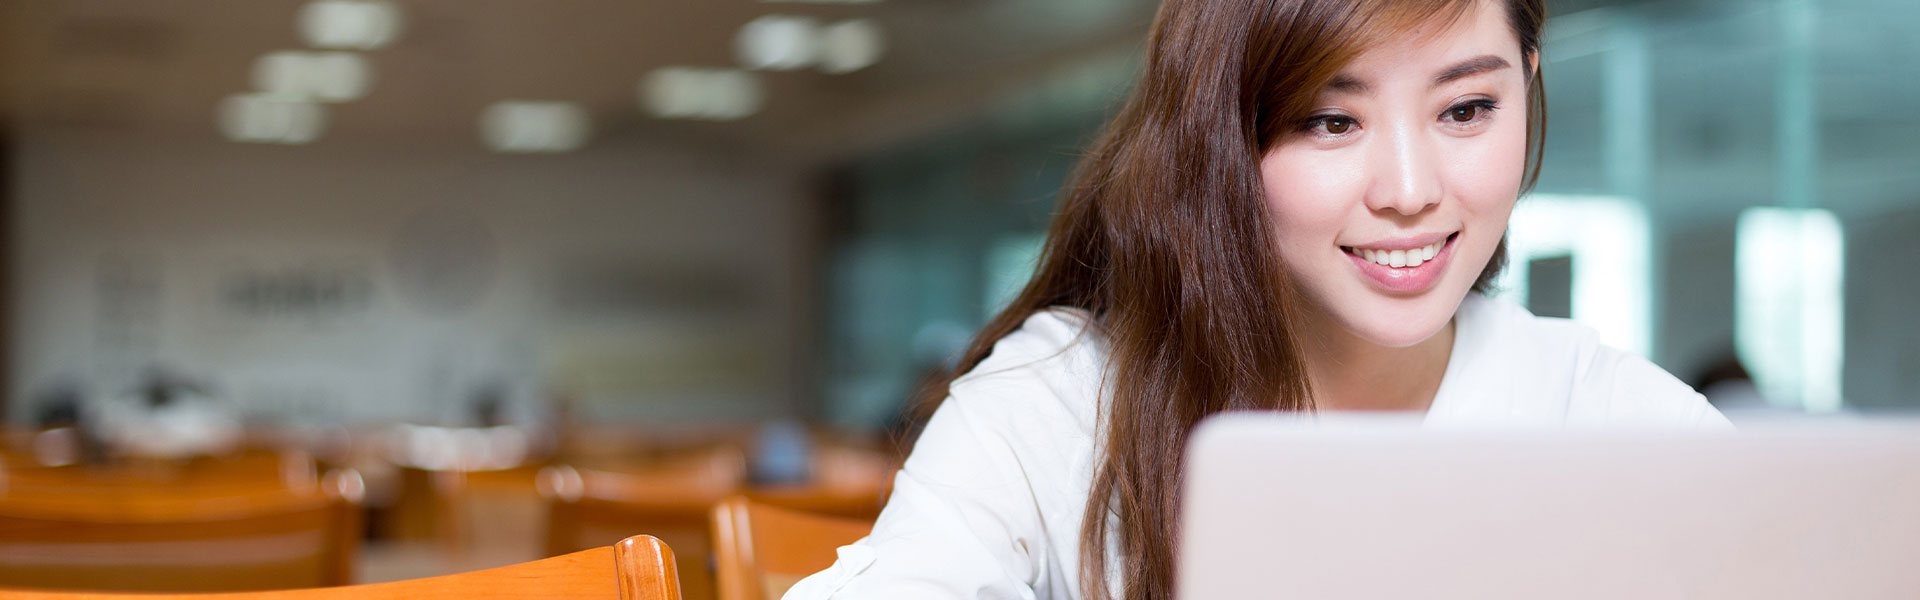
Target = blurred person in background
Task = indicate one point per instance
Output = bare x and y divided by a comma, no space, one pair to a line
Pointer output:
1300,208
168,416
62,435
1728,385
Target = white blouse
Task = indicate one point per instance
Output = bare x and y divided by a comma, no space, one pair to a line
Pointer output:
989,504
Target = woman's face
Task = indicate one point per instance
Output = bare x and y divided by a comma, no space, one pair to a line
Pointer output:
1389,201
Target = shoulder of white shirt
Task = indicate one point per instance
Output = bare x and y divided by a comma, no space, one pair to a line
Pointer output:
1509,340
1059,353
1054,365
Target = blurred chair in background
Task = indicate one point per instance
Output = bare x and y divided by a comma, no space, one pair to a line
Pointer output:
762,550
453,499
672,495
57,435
260,521
847,480
668,498
637,568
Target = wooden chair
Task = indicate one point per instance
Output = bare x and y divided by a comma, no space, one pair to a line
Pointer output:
437,470
264,469
668,497
762,550
203,528
637,568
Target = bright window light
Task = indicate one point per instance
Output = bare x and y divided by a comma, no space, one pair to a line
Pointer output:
1788,304
1609,241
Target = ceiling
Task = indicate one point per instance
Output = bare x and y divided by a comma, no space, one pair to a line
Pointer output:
161,66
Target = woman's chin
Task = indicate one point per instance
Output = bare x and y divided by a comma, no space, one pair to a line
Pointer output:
1402,338
1385,320
1402,332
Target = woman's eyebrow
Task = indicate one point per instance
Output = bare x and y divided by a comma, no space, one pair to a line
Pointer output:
1470,67
1349,84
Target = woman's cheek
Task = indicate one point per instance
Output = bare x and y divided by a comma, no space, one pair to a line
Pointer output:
1311,193
1485,172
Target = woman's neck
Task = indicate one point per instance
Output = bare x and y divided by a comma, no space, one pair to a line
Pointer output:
1352,374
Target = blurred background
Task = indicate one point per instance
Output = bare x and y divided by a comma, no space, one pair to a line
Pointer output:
478,254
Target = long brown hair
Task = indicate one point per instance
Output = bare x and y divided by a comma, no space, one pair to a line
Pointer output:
1163,235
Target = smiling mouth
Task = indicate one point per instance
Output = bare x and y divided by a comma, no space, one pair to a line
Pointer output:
1403,258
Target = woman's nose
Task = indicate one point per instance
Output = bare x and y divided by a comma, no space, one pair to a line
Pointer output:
1405,173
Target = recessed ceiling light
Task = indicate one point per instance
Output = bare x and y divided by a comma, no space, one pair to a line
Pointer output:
534,126
777,42
700,93
323,76
350,24
849,46
270,119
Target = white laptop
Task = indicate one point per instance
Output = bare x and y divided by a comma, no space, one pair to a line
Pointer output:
1279,507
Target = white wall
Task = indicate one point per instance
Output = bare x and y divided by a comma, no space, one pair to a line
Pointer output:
127,249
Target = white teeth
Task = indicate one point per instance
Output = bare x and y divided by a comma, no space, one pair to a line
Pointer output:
1401,258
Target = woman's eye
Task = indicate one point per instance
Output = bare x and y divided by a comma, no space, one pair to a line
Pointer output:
1469,112
1333,125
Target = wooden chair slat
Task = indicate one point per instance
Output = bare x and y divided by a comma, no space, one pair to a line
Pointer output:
638,568
245,526
761,550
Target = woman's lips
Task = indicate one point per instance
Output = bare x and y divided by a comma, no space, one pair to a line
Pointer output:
1416,271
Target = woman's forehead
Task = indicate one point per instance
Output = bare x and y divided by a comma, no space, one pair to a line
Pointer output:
1431,51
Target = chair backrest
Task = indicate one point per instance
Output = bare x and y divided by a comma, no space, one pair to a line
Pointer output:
438,469
637,568
86,528
255,468
762,550
669,499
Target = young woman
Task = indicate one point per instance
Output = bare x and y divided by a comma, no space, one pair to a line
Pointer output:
1299,209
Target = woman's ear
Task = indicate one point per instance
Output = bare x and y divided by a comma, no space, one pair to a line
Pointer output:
1533,65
